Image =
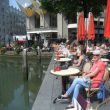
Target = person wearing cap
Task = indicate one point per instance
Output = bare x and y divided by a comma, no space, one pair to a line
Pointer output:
96,73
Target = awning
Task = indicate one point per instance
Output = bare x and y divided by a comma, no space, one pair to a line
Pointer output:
72,26
42,31
107,21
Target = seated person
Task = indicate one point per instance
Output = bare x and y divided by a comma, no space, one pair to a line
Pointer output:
82,59
96,73
89,48
98,46
55,46
66,52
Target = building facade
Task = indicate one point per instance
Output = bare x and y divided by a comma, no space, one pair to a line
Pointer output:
51,26
12,21
48,26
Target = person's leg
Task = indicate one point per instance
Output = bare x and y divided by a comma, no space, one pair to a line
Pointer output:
75,96
75,82
71,88
76,92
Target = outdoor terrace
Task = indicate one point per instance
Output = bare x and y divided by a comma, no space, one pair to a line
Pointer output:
51,88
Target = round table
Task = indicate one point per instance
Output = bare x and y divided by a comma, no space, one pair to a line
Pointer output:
63,59
108,68
64,75
104,60
67,72
60,55
91,51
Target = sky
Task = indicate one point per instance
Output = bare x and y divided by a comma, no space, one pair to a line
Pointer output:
13,3
22,2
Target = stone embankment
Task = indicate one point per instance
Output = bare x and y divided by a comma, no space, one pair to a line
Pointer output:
43,54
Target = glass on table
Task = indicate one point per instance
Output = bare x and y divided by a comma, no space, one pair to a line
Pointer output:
58,68
58,55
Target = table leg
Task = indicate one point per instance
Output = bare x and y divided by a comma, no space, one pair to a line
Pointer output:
64,82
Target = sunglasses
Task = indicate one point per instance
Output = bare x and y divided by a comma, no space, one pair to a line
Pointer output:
96,55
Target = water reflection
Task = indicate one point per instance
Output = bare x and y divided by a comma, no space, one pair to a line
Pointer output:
15,92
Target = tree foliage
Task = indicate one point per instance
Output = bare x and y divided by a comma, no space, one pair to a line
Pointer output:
70,7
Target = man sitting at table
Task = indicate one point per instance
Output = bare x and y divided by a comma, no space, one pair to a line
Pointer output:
96,73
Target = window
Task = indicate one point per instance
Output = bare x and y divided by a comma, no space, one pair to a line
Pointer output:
37,21
53,20
101,23
95,22
2,9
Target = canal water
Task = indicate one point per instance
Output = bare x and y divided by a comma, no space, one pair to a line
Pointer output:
16,91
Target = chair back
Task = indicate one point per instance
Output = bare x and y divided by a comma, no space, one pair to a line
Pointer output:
87,67
106,75
84,60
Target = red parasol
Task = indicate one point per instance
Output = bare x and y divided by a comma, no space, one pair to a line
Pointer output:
107,21
81,32
91,31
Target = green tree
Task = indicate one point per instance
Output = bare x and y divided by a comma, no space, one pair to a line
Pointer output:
70,7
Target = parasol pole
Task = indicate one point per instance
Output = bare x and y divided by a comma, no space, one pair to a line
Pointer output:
86,24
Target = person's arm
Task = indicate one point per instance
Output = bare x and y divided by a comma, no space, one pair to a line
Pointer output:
92,74
79,61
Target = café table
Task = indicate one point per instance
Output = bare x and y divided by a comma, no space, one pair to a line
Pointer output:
104,59
65,73
91,51
63,59
63,62
109,69
60,55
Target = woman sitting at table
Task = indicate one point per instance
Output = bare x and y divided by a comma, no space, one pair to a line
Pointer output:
96,73
82,59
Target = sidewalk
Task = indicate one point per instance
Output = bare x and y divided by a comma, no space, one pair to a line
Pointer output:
50,89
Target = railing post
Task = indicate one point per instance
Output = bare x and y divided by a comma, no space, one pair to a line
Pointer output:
25,64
